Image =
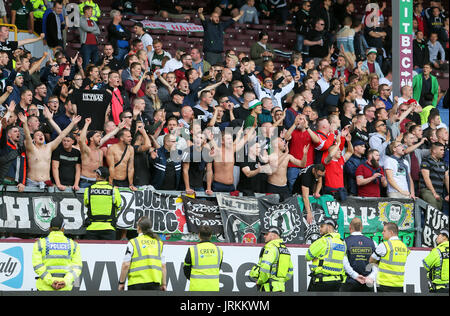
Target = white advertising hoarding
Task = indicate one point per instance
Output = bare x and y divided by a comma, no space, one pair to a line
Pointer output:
102,263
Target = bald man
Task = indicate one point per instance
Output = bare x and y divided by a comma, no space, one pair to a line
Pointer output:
359,250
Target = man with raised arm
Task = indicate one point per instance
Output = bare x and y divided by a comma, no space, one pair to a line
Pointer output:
213,35
278,161
39,153
120,159
91,154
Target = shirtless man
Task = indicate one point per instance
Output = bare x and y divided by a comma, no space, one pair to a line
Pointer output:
39,154
278,161
91,154
223,179
120,159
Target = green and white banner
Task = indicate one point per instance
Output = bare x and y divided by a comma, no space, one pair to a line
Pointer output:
374,212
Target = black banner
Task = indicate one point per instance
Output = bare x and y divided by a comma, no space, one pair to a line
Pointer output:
240,216
200,212
435,221
31,213
286,215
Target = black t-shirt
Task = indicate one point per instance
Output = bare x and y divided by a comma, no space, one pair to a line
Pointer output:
361,135
197,167
345,121
67,163
169,182
9,47
305,178
256,184
241,114
141,167
373,41
318,50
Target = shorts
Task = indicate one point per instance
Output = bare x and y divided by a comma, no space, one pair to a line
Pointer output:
220,187
283,191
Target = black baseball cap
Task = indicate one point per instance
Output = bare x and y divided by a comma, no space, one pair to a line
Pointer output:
328,221
272,229
57,222
139,24
103,172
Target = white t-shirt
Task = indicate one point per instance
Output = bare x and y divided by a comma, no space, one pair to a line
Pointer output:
146,40
399,175
324,85
171,65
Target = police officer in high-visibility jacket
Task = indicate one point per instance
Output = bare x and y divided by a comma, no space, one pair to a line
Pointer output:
327,255
144,265
56,259
390,256
274,267
103,201
202,263
436,264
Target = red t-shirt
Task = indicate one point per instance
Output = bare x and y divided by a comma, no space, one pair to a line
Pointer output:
371,189
298,141
334,173
90,38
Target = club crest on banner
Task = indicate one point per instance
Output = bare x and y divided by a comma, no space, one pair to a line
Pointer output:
397,212
286,217
244,232
44,210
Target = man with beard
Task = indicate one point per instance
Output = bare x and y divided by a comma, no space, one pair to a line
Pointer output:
370,175
120,159
39,153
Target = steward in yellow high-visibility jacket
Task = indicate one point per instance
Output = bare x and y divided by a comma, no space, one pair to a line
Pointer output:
436,264
202,263
56,259
327,255
274,266
390,256
144,264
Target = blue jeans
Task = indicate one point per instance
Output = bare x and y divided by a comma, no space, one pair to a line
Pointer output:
89,54
85,183
220,187
299,45
292,174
